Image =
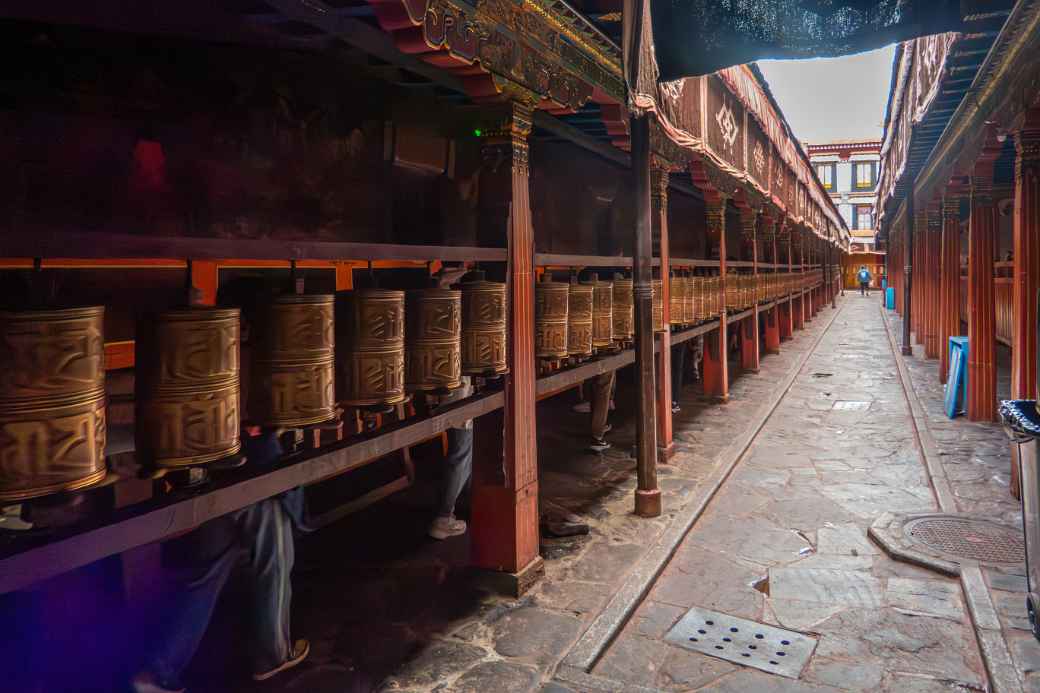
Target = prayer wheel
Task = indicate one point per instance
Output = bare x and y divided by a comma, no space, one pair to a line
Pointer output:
52,401
657,305
602,314
714,297
291,375
370,339
550,315
699,295
676,297
187,386
433,339
579,319
689,311
623,315
483,327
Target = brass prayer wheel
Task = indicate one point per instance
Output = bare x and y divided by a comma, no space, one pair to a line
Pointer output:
689,312
657,305
699,295
433,339
370,343
714,296
291,376
550,319
579,319
483,327
602,314
52,401
623,309
676,295
187,386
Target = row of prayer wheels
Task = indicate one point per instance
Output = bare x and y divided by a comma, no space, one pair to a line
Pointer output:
369,346
577,319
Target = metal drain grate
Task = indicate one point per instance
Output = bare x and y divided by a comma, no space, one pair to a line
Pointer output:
847,405
740,641
970,538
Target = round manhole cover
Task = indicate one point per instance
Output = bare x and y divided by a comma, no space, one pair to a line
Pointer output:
978,540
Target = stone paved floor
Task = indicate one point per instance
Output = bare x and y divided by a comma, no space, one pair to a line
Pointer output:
975,459
387,609
784,542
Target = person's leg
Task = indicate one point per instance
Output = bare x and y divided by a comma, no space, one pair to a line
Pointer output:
191,606
601,386
678,368
272,555
458,468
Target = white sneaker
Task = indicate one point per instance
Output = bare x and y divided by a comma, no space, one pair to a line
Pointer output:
444,527
583,407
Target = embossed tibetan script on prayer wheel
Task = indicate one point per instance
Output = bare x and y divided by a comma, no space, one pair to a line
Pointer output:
52,401
187,386
291,379
676,295
602,314
483,327
657,305
689,312
370,343
579,320
550,319
433,339
624,317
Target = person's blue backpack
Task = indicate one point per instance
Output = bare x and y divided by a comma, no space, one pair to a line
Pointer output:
864,275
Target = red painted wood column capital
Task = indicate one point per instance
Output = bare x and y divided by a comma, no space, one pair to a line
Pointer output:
1026,257
659,221
982,336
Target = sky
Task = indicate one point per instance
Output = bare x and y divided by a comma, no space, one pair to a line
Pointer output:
834,98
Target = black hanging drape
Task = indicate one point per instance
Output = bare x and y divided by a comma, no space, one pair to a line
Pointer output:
697,37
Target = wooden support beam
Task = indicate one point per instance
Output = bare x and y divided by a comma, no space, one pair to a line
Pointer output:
715,372
1027,257
648,496
982,337
933,252
659,226
907,274
505,475
749,344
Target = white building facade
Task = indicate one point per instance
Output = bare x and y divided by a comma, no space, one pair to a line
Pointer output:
849,172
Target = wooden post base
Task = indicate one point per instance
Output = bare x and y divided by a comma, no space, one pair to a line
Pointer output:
514,584
648,503
772,335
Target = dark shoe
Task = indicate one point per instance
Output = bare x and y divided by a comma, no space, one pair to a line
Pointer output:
598,445
301,648
146,682
676,408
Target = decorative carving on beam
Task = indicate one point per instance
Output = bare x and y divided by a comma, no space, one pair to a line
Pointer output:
508,137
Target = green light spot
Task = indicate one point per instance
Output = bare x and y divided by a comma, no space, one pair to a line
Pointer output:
477,132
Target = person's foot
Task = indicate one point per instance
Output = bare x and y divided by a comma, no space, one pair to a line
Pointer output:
598,445
444,527
675,407
145,682
583,407
607,429
610,406
300,649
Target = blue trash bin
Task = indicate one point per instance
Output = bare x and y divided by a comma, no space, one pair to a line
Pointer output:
956,395
890,298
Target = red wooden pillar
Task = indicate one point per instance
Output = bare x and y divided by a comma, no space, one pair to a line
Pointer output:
949,275
659,223
982,338
715,374
647,495
772,319
505,475
749,338
800,306
1027,257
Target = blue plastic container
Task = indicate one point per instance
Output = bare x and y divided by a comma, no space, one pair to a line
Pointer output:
956,395
890,298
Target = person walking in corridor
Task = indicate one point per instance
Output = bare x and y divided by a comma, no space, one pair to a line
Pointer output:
864,280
